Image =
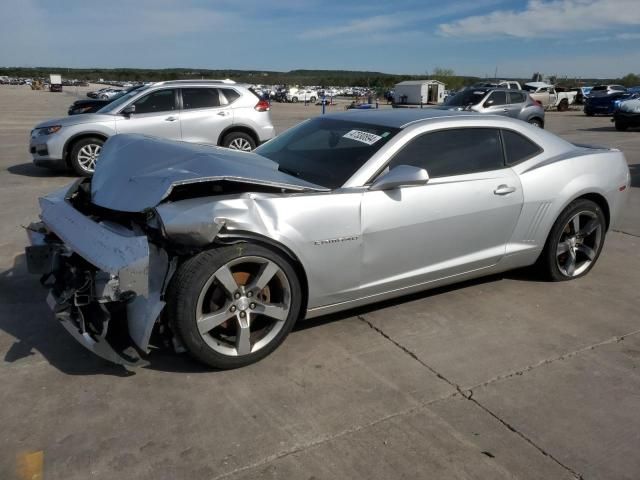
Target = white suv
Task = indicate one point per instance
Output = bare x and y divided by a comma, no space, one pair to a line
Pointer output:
215,112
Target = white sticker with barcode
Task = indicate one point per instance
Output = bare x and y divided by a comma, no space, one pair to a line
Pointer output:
364,137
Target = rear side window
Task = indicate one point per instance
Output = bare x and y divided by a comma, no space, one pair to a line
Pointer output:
200,98
230,94
158,101
453,152
496,98
518,148
516,97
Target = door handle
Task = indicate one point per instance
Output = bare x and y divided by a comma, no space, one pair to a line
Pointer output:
223,113
504,190
505,109
171,119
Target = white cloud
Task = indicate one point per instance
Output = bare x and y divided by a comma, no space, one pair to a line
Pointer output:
395,22
554,18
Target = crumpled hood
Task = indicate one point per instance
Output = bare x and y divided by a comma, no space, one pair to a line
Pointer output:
77,119
136,172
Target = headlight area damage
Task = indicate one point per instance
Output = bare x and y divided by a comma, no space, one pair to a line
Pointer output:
107,253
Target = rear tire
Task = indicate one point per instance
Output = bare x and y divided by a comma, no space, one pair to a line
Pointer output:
239,141
84,155
563,106
621,126
573,247
294,99
216,298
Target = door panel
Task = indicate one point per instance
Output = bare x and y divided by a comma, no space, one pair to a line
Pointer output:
449,226
205,114
156,115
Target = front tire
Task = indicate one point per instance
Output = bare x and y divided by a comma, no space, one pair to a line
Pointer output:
84,155
239,141
563,106
575,241
536,122
232,306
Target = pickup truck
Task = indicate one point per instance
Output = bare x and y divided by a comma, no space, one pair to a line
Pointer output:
548,97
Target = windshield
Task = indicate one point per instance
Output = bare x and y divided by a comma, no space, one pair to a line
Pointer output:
117,103
466,97
326,151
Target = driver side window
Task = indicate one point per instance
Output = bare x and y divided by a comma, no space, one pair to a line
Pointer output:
496,98
457,151
156,102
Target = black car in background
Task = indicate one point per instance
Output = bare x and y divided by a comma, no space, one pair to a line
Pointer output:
93,105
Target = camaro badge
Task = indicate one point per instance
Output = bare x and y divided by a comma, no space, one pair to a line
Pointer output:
335,240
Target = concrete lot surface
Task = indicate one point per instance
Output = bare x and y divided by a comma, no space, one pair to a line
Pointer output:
504,377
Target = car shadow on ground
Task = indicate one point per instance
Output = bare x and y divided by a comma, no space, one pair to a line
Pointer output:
27,319
30,170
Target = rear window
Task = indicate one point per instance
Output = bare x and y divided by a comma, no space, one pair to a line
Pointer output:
599,88
230,94
518,148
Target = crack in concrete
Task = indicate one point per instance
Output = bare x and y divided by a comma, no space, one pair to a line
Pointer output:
548,361
319,441
627,233
468,394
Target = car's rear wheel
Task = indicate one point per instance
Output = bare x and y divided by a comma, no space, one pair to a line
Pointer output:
575,241
294,99
621,126
563,106
536,122
233,306
84,155
239,141
313,99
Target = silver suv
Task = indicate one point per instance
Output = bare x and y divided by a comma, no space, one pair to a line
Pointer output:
216,112
499,101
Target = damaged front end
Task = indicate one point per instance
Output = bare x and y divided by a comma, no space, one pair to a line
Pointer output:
106,277
107,247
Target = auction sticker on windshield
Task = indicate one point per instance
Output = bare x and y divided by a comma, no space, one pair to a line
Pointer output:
364,137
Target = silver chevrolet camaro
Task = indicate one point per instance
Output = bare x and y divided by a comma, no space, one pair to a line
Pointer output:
221,252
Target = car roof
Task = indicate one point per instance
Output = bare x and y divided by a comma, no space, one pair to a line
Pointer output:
398,117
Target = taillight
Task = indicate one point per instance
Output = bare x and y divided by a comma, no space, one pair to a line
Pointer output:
263,106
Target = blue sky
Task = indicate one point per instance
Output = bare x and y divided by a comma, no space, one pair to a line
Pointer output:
598,38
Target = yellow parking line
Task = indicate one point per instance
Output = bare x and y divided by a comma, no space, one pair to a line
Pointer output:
30,465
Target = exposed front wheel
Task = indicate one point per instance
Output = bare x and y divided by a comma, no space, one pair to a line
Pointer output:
84,155
239,141
563,106
575,241
234,305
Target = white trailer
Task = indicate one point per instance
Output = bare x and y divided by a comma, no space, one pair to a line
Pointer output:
55,83
417,92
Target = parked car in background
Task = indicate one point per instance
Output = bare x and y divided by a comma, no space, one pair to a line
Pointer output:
508,84
627,115
498,101
341,211
96,93
204,111
93,105
110,93
548,97
296,95
602,100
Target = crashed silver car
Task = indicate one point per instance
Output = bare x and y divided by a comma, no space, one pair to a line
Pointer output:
223,252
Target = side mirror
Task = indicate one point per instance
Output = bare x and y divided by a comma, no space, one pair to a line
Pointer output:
128,110
401,176
488,103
